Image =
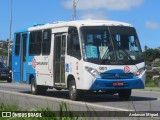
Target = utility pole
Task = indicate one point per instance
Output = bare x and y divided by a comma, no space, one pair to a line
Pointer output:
74,9
10,32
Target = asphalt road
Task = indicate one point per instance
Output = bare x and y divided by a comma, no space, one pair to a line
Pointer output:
20,94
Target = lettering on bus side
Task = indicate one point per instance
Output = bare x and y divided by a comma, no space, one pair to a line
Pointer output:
34,63
41,63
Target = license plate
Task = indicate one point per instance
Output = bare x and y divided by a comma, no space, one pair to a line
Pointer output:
3,74
118,84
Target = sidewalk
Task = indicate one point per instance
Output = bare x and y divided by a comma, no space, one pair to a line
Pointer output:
157,89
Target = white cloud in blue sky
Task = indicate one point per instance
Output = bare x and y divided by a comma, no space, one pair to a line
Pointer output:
105,4
97,15
152,25
94,9
143,14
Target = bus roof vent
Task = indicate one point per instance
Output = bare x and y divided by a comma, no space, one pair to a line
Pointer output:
57,22
35,25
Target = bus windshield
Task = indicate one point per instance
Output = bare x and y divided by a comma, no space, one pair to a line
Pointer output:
111,45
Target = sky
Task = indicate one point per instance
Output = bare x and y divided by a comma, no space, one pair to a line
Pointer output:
144,15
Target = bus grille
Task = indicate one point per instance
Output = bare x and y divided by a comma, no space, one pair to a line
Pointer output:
117,75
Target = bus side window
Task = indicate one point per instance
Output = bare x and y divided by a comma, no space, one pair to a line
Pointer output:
46,44
73,45
17,45
35,43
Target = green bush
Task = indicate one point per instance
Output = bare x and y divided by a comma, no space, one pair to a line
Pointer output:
157,63
152,83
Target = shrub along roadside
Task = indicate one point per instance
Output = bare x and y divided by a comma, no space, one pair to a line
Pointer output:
152,83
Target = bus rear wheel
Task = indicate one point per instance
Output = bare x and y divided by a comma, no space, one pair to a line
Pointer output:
73,92
125,94
36,89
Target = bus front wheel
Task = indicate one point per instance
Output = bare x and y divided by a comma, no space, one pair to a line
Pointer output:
73,92
124,94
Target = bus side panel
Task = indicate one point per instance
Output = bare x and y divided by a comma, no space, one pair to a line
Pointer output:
30,70
16,68
15,64
73,67
44,73
38,67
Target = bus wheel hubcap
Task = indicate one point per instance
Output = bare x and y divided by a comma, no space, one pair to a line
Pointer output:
73,91
33,87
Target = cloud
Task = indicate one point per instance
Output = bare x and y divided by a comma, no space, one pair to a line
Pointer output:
98,15
105,4
152,25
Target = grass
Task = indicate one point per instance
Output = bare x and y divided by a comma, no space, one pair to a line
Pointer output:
63,107
6,107
151,83
153,90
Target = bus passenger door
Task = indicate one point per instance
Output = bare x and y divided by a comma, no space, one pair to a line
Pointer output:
59,59
24,37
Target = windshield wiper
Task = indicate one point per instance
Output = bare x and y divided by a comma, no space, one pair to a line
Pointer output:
126,53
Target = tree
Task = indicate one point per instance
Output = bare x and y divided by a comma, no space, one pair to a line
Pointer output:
151,54
145,47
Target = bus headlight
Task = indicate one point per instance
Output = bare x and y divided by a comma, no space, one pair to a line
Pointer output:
139,72
92,71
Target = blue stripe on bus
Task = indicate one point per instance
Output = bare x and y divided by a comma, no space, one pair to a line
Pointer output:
16,64
29,69
109,77
106,84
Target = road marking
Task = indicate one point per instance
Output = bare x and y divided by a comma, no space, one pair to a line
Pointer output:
85,104
15,85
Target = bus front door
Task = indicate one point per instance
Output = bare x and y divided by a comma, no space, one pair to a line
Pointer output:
59,59
24,37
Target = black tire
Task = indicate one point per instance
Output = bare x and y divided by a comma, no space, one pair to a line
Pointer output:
73,92
9,80
125,94
36,89
58,89
42,89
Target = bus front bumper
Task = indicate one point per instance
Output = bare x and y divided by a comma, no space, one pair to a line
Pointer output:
111,84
